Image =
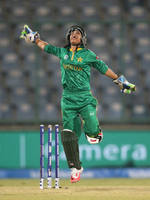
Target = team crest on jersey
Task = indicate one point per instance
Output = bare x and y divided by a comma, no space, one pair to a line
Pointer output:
80,59
66,57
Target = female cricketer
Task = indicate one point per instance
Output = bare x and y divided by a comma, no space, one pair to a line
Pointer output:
77,100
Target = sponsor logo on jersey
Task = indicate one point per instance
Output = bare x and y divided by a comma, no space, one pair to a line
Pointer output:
72,67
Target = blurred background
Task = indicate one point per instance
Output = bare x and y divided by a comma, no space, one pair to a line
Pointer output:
30,81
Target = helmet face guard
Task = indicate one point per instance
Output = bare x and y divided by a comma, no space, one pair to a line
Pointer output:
79,28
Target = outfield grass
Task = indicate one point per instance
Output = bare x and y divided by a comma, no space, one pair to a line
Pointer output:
86,189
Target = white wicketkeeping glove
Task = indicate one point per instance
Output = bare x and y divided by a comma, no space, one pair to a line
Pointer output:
124,85
29,35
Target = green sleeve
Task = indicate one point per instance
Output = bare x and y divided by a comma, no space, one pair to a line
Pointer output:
53,50
97,63
100,66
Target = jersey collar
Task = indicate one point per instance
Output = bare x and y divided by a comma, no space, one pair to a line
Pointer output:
78,49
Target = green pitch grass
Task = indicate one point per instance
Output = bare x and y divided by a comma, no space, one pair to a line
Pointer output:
86,189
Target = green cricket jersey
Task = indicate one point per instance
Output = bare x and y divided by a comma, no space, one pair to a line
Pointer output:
76,67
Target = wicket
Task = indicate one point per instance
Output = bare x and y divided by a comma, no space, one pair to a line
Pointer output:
49,164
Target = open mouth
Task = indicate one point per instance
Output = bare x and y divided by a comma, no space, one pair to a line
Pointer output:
74,37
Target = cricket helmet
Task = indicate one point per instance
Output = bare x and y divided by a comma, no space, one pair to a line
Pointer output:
83,33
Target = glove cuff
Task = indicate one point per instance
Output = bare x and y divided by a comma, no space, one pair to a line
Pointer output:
36,36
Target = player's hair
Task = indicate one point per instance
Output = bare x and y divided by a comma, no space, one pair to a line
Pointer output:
83,33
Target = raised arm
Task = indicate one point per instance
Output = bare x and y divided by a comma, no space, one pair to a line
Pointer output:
121,81
34,37
31,36
41,43
111,74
